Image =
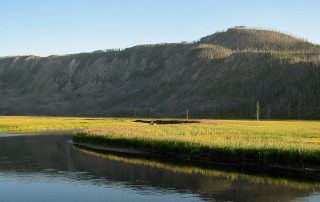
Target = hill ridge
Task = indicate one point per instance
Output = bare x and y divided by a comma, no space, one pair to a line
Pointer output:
210,77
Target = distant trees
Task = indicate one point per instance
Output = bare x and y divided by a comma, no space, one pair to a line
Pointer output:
212,52
280,45
268,112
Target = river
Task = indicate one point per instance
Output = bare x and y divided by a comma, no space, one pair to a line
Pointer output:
49,168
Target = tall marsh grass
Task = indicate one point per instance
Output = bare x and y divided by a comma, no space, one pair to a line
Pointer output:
294,143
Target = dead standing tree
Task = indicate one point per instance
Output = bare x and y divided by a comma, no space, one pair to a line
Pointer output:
258,110
187,114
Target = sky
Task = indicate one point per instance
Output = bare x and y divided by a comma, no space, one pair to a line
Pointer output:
57,27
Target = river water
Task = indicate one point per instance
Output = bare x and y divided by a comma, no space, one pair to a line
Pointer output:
49,168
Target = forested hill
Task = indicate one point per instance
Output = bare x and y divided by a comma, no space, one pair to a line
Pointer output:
221,75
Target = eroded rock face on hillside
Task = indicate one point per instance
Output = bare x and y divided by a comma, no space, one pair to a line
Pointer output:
217,76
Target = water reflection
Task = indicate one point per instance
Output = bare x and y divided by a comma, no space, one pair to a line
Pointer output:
51,165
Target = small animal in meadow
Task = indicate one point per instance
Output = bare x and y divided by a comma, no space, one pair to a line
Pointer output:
152,123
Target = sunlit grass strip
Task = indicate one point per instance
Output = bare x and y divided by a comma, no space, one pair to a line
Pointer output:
31,124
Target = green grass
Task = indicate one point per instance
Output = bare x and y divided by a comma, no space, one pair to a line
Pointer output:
284,143
32,124
288,143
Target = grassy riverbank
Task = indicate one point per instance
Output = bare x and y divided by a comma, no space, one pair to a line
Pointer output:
279,143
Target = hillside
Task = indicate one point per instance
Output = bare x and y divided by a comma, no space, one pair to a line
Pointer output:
242,38
221,75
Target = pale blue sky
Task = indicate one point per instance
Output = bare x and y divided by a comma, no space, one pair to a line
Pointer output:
45,27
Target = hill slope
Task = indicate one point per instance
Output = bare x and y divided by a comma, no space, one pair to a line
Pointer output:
221,75
242,38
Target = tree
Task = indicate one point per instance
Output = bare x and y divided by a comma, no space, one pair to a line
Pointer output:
258,110
187,114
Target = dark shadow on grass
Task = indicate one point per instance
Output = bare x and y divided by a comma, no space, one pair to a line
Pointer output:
165,121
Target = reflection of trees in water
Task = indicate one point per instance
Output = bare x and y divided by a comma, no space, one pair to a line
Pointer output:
34,154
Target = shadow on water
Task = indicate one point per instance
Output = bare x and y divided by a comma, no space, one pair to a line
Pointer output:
54,157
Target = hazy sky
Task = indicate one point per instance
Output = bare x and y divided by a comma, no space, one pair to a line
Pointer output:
45,27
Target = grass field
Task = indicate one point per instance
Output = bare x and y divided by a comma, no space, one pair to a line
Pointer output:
31,124
294,143
284,143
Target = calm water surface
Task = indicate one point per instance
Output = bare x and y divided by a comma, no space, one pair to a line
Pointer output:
49,168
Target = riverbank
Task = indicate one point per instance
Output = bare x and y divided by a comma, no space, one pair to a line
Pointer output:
249,168
291,145
199,169
270,144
